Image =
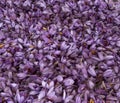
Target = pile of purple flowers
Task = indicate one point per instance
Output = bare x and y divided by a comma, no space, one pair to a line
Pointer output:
59,51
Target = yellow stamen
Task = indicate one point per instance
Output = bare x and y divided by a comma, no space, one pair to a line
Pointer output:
81,60
31,46
93,52
103,84
56,63
84,44
91,101
60,33
1,45
44,28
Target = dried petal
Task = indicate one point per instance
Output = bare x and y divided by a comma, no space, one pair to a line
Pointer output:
108,73
22,75
91,84
39,44
41,95
59,78
118,43
91,70
68,82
